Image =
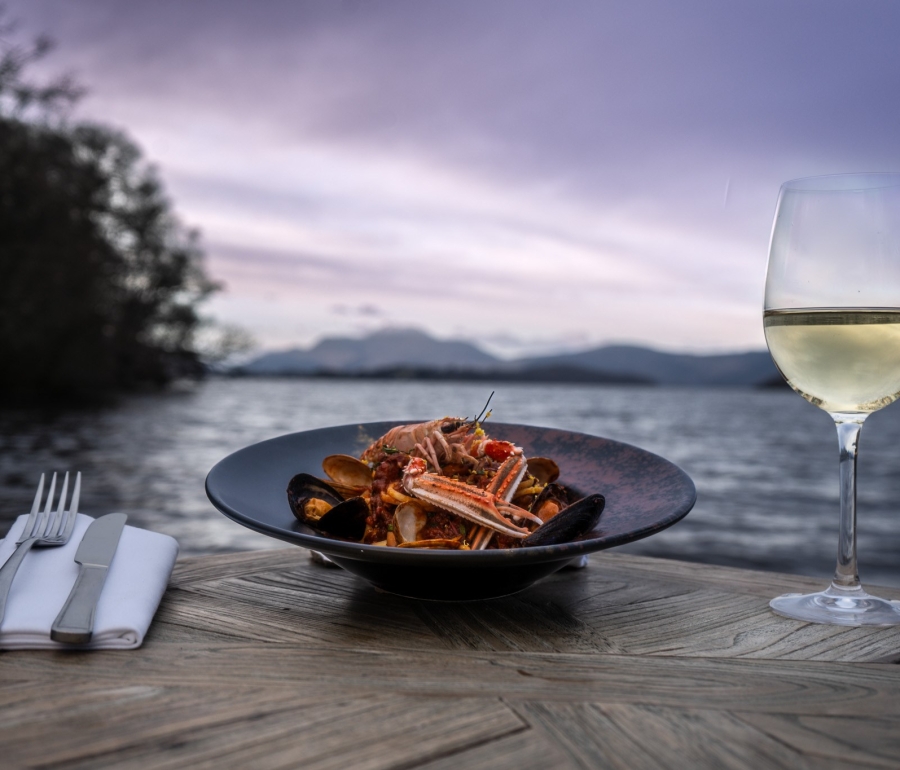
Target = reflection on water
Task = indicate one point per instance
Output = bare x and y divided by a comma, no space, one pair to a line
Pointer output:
764,462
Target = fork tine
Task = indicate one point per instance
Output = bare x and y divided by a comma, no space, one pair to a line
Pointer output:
37,526
76,495
73,509
41,525
56,516
55,525
35,506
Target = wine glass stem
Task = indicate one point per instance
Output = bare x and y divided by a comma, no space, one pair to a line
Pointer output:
846,577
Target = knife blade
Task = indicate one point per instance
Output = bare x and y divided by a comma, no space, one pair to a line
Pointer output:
75,622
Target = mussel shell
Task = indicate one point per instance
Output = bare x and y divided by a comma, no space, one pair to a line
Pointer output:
554,492
569,523
305,486
346,519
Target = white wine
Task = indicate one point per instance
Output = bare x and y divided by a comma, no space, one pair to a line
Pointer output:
840,359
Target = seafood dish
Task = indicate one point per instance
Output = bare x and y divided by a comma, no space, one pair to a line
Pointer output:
442,484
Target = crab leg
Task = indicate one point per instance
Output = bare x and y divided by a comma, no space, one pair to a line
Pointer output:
471,503
429,454
481,537
439,437
503,485
508,477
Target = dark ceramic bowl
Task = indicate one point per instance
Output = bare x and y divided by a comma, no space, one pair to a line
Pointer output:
644,494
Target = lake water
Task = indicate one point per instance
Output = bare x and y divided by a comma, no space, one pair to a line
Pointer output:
764,461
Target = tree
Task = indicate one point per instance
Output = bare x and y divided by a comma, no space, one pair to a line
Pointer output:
99,281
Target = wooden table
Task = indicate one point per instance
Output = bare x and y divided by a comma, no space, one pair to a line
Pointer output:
265,660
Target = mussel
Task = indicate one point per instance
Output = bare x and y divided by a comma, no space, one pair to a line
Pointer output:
552,499
318,505
569,523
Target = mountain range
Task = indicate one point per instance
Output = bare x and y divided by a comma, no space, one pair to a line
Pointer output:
412,354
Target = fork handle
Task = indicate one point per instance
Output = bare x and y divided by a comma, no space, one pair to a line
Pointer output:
9,569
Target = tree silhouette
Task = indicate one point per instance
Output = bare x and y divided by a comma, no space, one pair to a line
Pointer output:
99,282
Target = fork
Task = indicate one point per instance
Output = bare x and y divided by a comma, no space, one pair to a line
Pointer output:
43,528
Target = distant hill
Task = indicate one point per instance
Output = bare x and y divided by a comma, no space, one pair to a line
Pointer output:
753,368
383,349
537,374
411,354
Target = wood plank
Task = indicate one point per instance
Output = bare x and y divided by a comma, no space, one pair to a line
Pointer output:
163,632
380,732
123,726
715,623
301,624
199,568
647,606
355,614
526,750
606,564
626,737
627,615
303,605
47,724
798,687
508,624
849,740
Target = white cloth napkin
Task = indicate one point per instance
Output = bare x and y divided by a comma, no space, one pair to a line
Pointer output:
135,583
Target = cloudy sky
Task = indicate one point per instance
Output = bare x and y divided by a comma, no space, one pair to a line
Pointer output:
532,175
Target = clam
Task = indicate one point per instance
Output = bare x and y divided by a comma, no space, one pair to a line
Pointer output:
543,469
409,520
318,505
349,475
569,523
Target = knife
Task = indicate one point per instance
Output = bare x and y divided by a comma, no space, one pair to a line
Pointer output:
75,622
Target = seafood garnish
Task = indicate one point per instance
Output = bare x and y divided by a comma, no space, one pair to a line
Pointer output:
470,502
443,484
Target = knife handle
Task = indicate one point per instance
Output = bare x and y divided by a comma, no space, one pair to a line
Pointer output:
75,622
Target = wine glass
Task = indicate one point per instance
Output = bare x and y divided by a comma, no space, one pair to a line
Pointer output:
832,323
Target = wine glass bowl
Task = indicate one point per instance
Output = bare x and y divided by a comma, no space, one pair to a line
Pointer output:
832,323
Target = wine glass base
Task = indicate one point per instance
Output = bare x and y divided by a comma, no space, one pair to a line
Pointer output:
838,606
